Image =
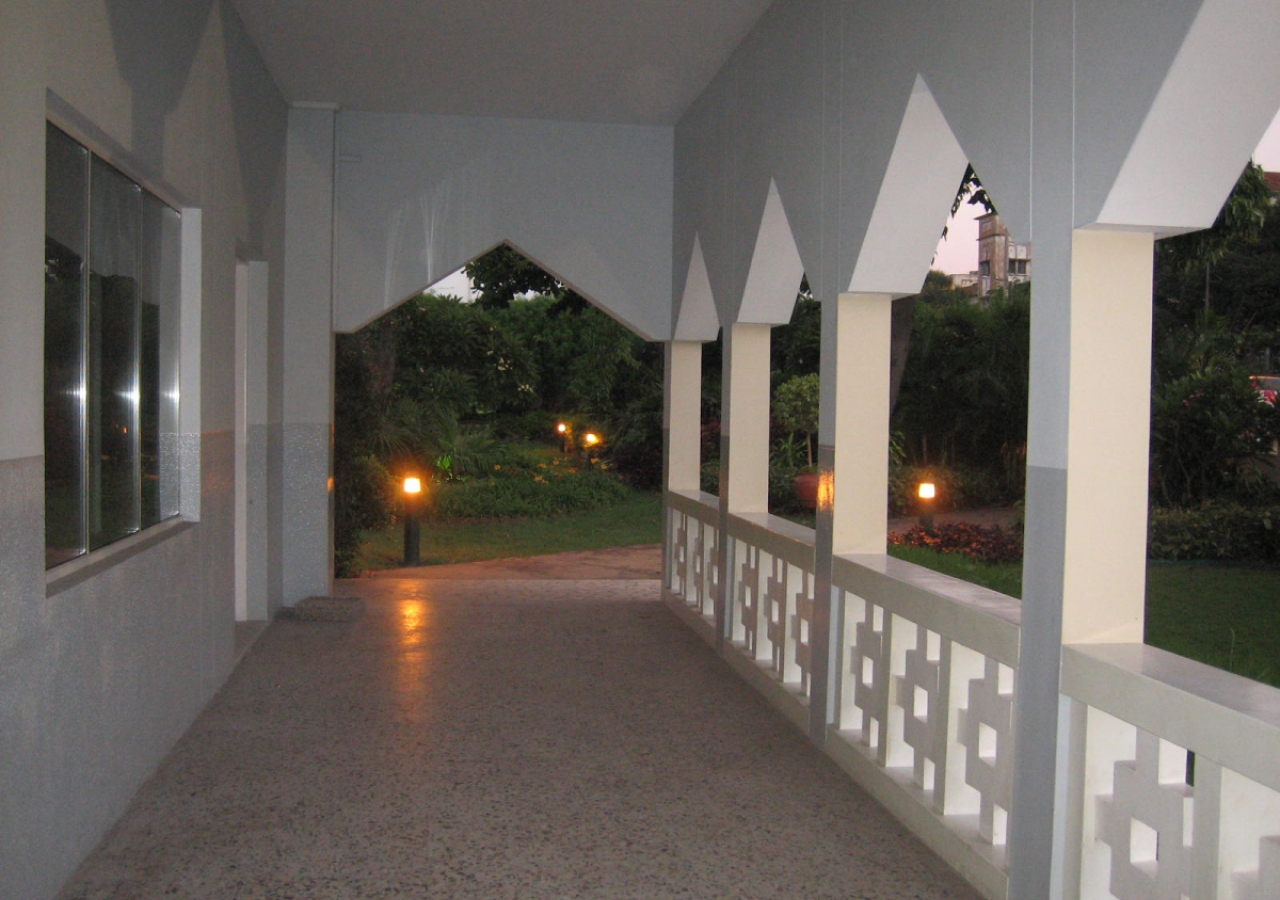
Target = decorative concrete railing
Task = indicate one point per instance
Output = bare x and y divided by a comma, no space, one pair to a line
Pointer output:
770,608
925,706
1174,778
693,552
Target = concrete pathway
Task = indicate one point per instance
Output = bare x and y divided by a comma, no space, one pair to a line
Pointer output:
500,738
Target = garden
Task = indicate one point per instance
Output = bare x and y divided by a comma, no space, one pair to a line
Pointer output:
469,396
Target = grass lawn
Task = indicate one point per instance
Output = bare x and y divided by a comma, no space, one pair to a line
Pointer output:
1006,578
637,520
1227,616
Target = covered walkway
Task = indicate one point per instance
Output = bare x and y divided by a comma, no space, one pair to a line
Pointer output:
500,738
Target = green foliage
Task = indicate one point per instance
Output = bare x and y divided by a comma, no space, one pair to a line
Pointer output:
504,273
362,502
1210,431
795,404
795,407
524,492
458,355
964,391
796,346
1215,531
1241,220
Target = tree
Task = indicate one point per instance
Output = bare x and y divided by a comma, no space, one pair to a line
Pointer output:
1185,264
504,273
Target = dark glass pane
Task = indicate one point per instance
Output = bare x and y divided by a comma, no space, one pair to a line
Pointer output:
114,471
66,237
158,360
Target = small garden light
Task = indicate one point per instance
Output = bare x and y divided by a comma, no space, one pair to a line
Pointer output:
566,437
927,492
591,438
412,501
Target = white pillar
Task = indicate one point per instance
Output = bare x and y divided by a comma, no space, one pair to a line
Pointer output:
681,431
744,445
682,415
307,526
860,435
744,420
1105,559
1085,545
853,465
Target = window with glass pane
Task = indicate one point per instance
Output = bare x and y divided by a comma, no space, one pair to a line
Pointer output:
111,359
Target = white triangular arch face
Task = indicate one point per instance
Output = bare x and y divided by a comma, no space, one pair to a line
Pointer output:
1191,147
915,196
696,319
776,270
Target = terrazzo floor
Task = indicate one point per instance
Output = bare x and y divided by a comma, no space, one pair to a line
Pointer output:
500,739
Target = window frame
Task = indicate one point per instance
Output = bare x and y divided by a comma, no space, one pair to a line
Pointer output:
165,257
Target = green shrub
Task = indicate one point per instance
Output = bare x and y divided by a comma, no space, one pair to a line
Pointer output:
709,477
1215,531
541,491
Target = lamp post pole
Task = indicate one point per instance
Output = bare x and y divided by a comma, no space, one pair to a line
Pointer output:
927,492
412,535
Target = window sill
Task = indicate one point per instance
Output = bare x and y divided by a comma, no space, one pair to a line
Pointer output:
82,568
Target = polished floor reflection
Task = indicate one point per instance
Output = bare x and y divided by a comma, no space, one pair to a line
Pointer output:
500,739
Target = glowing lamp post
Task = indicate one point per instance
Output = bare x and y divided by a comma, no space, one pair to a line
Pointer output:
927,492
565,438
412,502
590,439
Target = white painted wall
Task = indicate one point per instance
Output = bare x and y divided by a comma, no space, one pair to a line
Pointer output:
418,196
99,678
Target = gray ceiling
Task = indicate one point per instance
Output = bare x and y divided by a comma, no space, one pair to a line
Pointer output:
636,61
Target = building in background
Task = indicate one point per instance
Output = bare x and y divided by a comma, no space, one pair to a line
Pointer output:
1002,261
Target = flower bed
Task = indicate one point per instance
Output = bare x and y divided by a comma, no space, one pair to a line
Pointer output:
991,544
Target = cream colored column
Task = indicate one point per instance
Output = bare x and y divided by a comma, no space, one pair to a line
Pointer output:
682,415
859,520
744,446
681,433
744,420
853,462
1085,558
1105,547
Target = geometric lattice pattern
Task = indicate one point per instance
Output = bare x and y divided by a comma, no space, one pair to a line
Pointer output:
801,625
986,731
776,618
1265,883
869,666
703,570
680,555
712,566
1147,824
924,722
748,612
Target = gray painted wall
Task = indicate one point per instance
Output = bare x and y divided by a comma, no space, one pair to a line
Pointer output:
98,680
